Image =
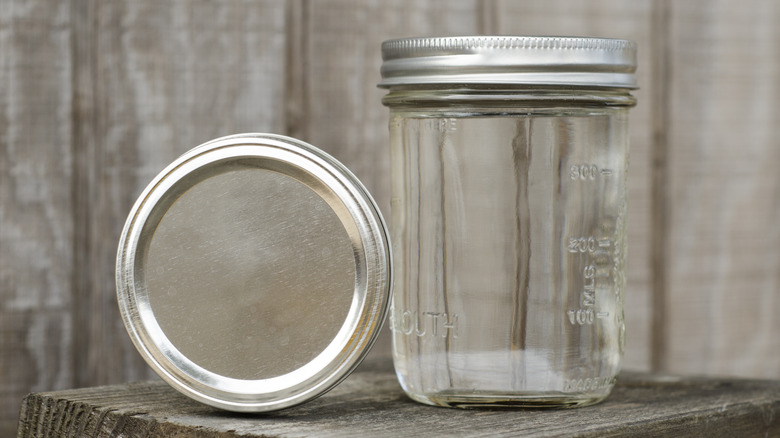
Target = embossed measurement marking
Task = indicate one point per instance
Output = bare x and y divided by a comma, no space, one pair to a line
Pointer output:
587,172
596,252
587,244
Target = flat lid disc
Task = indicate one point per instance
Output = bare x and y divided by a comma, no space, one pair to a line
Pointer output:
253,273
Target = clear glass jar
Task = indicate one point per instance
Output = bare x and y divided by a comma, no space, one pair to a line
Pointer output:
509,160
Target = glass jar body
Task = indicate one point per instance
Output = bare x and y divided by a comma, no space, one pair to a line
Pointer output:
509,240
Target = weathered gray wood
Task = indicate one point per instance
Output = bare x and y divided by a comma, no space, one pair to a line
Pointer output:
724,189
659,184
36,221
97,96
370,403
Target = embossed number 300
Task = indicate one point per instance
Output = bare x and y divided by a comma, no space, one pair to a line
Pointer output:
583,171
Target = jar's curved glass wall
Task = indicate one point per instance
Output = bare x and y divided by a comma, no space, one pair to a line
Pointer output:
509,238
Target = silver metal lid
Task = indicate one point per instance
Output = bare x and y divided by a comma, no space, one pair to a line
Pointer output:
509,60
253,273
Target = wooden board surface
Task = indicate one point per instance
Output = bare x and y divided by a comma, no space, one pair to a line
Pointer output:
370,403
96,97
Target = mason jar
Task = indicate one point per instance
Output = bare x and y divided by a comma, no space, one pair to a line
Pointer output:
509,158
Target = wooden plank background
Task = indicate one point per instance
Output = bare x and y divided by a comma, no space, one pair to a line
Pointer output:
97,96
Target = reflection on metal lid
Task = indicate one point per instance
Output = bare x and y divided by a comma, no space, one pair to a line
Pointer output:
509,60
253,273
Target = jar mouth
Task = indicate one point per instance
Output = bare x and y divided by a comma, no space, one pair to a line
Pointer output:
494,96
509,60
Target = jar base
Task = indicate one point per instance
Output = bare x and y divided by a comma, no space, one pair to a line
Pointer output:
509,401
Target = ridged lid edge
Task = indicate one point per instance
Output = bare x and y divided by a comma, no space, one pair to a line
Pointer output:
531,60
424,46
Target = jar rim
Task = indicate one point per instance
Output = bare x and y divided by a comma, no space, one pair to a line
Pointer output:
509,60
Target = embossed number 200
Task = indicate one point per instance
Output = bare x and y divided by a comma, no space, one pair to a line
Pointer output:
582,244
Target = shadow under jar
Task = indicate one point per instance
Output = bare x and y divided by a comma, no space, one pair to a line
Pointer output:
509,158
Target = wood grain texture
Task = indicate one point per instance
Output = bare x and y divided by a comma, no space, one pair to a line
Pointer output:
370,403
36,221
611,19
724,189
96,97
659,184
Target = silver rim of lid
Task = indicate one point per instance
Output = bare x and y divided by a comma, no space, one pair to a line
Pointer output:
148,264
509,60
